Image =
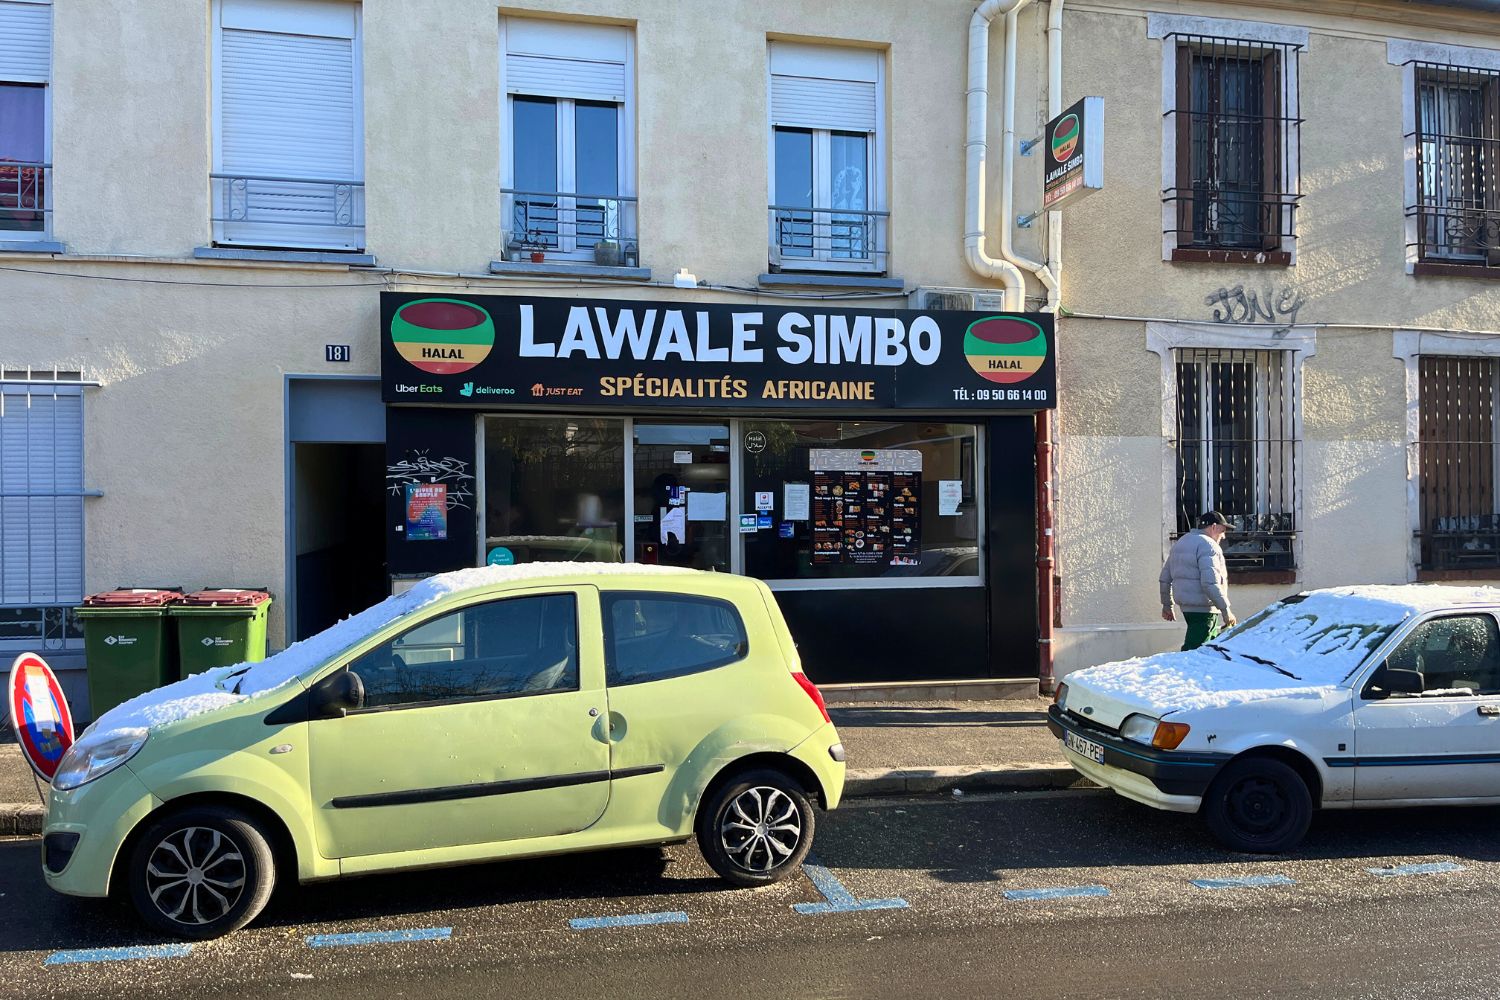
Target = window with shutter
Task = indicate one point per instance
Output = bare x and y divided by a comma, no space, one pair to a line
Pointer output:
827,194
25,72
568,188
41,511
289,125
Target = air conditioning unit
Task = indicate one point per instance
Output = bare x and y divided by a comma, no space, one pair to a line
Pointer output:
960,299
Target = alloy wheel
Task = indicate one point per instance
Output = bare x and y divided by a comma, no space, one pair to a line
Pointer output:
761,828
195,875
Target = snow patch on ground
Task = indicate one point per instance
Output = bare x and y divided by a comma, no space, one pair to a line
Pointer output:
224,686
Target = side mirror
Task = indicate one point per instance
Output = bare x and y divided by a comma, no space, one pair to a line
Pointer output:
336,695
1387,680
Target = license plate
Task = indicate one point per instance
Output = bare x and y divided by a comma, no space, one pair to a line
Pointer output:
1084,748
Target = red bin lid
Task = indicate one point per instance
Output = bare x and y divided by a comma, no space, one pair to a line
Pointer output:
144,597
224,598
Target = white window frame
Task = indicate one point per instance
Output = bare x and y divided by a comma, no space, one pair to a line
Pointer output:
1165,339
45,234
216,127
1405,53
823,258
568,250
1163,25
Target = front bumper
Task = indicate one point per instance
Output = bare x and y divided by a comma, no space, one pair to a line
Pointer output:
1167,779
101,814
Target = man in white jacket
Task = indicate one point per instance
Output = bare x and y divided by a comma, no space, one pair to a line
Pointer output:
1194,572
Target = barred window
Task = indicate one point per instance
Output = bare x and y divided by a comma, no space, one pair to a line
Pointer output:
1456,463
1238,179
1237,451
41,507
1457,138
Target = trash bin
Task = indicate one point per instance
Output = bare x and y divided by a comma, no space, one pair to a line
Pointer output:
127,644
216,628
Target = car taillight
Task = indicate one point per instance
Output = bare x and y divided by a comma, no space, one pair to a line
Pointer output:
814,694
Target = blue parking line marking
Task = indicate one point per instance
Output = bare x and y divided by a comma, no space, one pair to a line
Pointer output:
629,920
119,954
1243,882
378,937
838,899
1431,868
1059,892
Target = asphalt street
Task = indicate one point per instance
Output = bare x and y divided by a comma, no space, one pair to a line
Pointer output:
1059,894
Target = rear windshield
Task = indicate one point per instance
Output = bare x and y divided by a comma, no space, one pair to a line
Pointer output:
1320,637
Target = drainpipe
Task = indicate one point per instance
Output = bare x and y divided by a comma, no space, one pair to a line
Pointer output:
1046,539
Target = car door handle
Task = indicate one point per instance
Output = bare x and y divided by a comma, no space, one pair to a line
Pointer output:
1489,709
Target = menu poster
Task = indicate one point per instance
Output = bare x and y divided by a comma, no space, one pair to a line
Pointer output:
866,507
426,512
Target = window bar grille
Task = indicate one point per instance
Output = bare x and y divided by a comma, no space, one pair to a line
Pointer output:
1457,141
1459,526
1238,171
1237,451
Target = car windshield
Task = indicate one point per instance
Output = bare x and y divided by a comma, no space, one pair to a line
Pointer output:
1321,637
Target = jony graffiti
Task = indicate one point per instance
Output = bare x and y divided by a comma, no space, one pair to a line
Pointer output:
419,467
1274,306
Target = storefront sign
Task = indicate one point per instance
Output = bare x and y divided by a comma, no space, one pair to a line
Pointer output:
1074,163
512,351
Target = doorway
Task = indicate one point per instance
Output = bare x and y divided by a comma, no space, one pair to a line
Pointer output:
681,484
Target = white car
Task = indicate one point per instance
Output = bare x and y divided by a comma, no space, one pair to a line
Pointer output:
1356,697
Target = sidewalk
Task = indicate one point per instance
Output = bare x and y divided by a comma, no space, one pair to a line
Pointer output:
893,749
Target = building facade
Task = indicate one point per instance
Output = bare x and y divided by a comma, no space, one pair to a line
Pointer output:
220,221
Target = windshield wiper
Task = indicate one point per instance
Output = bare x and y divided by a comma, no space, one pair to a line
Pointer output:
1254,659
1218,649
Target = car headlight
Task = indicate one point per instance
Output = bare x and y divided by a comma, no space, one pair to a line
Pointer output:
94,756
1139,728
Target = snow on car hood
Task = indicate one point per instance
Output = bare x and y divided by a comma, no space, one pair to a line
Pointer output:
1318,638
223,686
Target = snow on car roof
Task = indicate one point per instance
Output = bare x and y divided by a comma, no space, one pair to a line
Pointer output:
202,693
1320,637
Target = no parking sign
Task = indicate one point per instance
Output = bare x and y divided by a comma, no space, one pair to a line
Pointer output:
39,714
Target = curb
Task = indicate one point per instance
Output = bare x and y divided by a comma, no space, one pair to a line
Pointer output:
864,782
21,819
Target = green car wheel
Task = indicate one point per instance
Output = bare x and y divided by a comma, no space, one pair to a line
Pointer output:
201,873
756,828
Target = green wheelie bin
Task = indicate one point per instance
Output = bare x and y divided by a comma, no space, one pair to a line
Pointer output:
217,628
127,643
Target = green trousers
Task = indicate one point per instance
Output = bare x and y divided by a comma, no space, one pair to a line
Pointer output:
1201,627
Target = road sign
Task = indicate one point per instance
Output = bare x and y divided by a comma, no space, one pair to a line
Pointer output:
39,714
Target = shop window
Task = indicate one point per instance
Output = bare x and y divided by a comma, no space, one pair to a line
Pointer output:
1459,527
519,646
25,104
651,637
553,489
1236,447
1233,133
827,193
681,473
567,190
833,500
1457,137
288,126
41,509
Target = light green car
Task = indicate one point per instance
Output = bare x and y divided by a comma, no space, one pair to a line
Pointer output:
503,712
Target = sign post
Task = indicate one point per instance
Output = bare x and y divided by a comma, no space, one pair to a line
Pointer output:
1074,164
39,714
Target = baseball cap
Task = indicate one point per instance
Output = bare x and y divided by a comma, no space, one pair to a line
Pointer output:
1211,517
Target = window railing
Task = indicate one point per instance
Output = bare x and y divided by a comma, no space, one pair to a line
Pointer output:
24,199
836,239
276,211
569,226
1456,140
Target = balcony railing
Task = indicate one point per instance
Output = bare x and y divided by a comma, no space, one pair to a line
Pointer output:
24,197
1457,234
304,212
570,226
1465,541
827,239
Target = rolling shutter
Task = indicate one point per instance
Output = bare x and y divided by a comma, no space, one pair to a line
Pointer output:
289,109
824,88
25,42
584,62
41,495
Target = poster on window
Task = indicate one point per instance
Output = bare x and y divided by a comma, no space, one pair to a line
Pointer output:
426,512
866,506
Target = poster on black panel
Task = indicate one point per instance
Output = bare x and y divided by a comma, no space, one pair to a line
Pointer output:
507,351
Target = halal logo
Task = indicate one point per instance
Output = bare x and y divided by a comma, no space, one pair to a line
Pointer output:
442,336
1005,349
1065,138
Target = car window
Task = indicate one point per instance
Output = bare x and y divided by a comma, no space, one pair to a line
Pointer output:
517,646
1457,655
653,636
